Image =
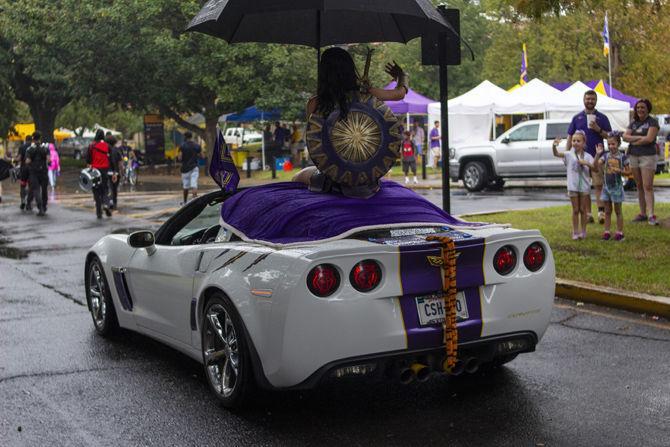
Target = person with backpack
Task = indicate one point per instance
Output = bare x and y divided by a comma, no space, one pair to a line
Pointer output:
188,154
26,197
98,158
116,168
37,160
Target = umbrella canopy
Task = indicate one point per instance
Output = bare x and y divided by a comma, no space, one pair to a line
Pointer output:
318,23
253,114
412,103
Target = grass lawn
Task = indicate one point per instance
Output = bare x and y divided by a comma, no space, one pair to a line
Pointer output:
640,263
664,176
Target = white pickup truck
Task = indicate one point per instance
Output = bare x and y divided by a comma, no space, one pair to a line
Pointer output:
238,136
524,151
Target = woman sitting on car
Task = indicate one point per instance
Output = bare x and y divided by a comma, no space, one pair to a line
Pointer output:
339,86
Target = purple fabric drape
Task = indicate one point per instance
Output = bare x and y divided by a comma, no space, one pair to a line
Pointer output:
286,213
413,102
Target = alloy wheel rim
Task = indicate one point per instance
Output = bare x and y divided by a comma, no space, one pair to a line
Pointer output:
96,292
471,177
221,351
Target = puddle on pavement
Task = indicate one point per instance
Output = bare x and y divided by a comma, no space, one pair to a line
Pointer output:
11,252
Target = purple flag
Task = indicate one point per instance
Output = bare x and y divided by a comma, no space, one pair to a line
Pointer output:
222,169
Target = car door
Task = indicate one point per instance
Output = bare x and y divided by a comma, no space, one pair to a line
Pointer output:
553,166
518,152
161,278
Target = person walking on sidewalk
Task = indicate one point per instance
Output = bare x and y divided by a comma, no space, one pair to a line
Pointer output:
435,151
408,153
37,160
54,166
188,155
26,197
418,137
116,167
641,136
98,158
595,126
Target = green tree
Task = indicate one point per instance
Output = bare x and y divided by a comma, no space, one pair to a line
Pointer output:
38,71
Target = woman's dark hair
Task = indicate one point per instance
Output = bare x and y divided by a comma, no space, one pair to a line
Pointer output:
338,78
99,135
641,101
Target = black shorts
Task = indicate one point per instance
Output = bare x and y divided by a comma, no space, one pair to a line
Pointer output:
407,165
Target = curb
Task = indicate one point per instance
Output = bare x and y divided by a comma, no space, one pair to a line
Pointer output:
619,299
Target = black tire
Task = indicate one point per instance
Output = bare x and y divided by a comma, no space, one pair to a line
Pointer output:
219,356
101,306
498,184
475,176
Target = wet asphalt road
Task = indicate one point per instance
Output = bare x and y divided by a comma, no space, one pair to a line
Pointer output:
598,378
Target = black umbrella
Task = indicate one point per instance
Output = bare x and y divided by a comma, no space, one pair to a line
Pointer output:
318,23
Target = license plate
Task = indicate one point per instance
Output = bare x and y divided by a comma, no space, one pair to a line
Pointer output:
431,309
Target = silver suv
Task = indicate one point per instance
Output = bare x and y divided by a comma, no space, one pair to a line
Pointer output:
524,151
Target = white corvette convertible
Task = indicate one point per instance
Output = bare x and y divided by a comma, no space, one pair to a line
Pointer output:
366,303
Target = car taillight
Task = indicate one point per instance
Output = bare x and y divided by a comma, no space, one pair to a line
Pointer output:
323,280
366,275
505,260
534,257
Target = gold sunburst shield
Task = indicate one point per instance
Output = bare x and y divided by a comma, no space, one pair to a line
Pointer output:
358,150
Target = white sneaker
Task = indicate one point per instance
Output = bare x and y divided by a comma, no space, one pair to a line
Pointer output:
416,182
406,180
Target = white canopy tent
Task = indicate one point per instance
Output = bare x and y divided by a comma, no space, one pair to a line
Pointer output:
532,97
90,133
571,101
471,114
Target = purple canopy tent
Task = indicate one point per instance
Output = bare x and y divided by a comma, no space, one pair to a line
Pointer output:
616,94
412,104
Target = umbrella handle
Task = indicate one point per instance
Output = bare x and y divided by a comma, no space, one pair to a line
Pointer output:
368,61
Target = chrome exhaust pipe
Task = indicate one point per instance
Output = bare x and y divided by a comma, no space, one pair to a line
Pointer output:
457,370
472,365
421,371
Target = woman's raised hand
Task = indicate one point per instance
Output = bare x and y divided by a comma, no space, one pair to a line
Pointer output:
393,70
557,141
600,149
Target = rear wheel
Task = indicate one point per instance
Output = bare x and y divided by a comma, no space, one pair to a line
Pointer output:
225,352
99,299
475,176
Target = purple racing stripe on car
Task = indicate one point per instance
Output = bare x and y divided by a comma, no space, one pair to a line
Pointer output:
471,329
470,263
417,276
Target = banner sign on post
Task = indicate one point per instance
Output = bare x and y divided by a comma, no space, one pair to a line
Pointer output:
154,138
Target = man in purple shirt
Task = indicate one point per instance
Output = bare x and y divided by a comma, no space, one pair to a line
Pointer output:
596,126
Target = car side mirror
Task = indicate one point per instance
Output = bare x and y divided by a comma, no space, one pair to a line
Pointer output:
505,141
143,239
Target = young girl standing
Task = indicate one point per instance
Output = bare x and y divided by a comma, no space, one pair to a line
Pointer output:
578,164
614,164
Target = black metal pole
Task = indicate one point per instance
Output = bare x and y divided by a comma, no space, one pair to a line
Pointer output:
274,167
424,154
444,98
249,166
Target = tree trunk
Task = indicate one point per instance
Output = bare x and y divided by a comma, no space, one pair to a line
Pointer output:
45,122
210,137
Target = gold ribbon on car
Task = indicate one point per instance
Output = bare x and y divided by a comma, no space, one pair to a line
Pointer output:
448,269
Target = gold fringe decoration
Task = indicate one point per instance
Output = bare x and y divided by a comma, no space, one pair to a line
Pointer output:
449,297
